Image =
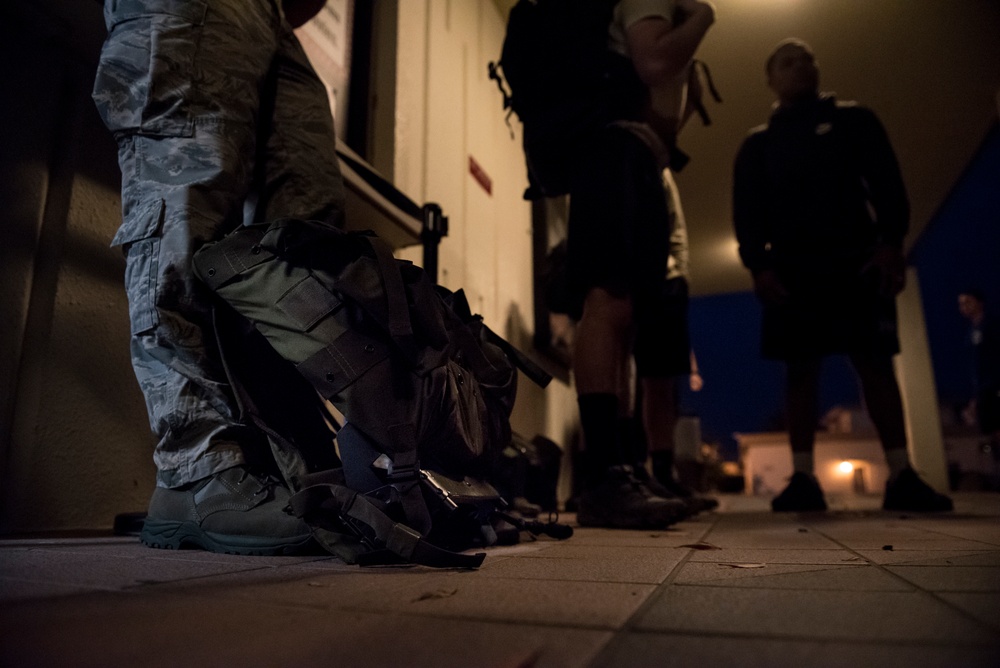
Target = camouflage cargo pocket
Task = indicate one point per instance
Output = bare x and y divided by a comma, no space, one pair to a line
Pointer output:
139,237
144,79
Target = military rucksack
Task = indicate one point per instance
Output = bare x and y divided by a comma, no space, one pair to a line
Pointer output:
312,314
564,83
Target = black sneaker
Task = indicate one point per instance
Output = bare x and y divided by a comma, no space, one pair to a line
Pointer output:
909,493
232,511
802,495
621,501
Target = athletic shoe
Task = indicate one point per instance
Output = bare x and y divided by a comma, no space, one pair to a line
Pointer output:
232,511
621,501
803,494
908,492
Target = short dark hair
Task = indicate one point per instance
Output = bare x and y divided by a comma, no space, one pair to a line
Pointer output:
975,293
791,41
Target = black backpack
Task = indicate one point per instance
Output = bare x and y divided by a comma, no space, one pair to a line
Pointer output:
310,314
564,84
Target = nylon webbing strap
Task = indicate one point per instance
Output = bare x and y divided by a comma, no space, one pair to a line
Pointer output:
400,327
216,264
336,366
398,538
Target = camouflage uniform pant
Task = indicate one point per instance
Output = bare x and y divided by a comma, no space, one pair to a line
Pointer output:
220,120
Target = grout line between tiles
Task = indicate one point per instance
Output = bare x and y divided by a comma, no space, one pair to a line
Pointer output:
610,648
920,590
833,640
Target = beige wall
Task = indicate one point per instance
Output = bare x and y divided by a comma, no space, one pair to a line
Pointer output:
76,444
447,110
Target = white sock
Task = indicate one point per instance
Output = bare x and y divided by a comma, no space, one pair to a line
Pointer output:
803,462
898,459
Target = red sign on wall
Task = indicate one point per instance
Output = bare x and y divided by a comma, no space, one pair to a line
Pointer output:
480,175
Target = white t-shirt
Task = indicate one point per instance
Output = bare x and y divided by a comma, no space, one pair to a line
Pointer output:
669,100
627,12
670,103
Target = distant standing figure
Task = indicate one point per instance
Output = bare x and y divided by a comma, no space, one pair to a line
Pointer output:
820,213
984,338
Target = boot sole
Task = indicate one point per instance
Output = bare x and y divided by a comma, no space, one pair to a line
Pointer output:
170,535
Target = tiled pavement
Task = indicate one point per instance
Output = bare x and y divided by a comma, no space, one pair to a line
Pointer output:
738,587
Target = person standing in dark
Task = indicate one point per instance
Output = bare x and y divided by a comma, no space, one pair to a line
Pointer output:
220,121
820,213
984,339
618,247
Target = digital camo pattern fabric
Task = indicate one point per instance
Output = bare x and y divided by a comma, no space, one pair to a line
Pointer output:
220,121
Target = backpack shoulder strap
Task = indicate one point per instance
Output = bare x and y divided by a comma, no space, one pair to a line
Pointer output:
381,534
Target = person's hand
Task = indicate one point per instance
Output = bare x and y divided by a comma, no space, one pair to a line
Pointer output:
769,288
888,261
696,382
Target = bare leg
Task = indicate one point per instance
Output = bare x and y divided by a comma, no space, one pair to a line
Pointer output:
601,345
659,412
612,497
802,402
884,404
803,492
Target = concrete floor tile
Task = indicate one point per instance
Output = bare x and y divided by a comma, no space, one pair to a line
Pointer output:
464,595
932,557
647,650
787,537
99,542
93,570
590,563
675,536
982,606
21,590
951,578
111,602
796,577
777,556
122,630
847,616
904,540
573,550
874,533
985,531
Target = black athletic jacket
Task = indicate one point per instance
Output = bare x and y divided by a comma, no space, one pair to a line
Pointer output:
816,189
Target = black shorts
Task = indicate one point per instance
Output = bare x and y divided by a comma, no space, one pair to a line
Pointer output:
619,225
830,313
988,410
662,341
